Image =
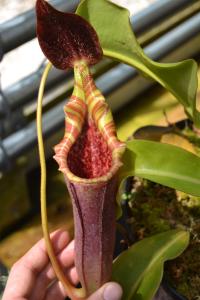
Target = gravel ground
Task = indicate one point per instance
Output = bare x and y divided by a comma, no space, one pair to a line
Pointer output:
25,59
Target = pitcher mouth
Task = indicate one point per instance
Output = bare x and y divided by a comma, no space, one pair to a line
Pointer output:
90,151
81,163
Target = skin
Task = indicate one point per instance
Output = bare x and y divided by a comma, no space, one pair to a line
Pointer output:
32,277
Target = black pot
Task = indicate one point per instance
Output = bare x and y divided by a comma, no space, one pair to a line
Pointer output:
172,292
165,294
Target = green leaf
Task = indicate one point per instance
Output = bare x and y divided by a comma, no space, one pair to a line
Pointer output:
164,164
139,270
118,41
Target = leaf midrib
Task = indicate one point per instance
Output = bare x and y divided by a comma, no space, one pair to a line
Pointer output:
157,173
156,257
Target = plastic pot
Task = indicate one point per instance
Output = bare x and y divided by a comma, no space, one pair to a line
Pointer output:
172,292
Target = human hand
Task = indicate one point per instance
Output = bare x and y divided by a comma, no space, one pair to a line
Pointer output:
32,277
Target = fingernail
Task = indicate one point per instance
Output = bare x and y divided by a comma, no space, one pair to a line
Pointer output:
113,291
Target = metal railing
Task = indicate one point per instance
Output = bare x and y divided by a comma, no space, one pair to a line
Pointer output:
21,29
23,92
115,80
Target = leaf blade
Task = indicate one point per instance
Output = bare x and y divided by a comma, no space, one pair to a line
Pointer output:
145,268
164,164
111,22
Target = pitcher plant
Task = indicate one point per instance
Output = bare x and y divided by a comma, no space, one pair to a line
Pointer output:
90,155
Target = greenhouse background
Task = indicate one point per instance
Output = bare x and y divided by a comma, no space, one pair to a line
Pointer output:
168,31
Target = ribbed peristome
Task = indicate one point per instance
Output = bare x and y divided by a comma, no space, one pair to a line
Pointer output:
87,103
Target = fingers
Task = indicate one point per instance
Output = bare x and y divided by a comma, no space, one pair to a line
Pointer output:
59,240
23,274
66,259
57,291
109,291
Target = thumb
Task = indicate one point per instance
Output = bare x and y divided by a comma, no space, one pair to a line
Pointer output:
109,291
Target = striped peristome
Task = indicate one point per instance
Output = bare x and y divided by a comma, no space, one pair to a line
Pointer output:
87,102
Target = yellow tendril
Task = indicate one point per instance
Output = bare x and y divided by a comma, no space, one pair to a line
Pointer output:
72,292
